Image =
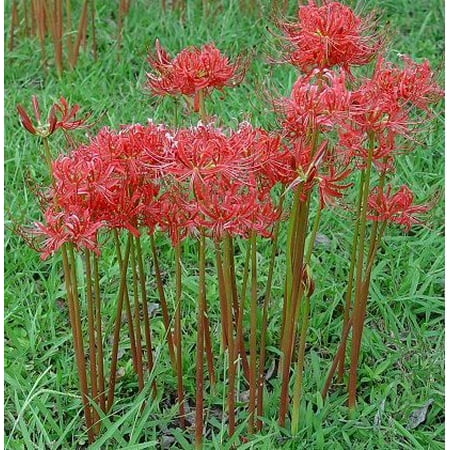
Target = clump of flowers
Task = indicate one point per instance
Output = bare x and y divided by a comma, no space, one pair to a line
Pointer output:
330,35
213,184
193,72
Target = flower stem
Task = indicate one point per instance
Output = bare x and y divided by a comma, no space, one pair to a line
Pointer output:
351,275
98,326
253,325
115,348
262,353
48,159
162,300
233,343
298,386
75,321
147,325
337,358
127,303
91,310
293,302
240,320
360,303
179,354
137,321
200,345
224,313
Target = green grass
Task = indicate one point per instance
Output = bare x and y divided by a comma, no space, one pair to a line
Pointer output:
403,363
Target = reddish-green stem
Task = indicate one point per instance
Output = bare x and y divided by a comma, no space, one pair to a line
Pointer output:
351,276
137,319
360,303
127,304
294,301
298,386
240,322
94,34
262,354
162,301
98,326
115,347
253,381
77,338
145,312
92,339
178,341
224,313
337,358
233,343
81,34
200,345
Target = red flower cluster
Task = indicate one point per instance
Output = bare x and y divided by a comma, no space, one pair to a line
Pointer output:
191,71
332,126
397,208
202,179
213,181
61,116
329,35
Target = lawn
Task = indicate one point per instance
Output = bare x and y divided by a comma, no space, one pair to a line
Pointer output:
402,367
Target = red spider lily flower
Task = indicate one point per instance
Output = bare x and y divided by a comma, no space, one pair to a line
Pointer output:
67,116
191,71
413,84
74,226
319,104
176,214
61,115
307,164
353,146
38,128
205,152
330,187
396,208
154,144
235,209
137,151
125,210
372,115
84,178
330,35
270,160
383,103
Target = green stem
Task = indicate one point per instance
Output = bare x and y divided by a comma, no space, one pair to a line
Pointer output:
253,326
313,234
288,278
351,275
147,326
298,386
359,312
115,348
137,320
92,341
163,302
232,343
294,301
98,326
48,159
127,304
224,313
178,341
200,346
262,354
75,321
